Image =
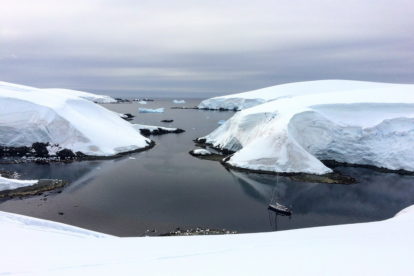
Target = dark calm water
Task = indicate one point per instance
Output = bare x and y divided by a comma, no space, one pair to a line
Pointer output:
165,187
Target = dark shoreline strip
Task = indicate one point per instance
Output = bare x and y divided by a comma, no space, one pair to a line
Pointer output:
64,156
41,186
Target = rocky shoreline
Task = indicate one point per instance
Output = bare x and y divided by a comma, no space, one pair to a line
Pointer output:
159,131
43,185
39,153
330,178
207,109
197,232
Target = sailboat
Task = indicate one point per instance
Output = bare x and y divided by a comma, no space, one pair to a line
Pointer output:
280,209
277,207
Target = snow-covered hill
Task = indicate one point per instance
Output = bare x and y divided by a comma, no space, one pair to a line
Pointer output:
67,92
252,98
39,247
370,126
86,95
29,115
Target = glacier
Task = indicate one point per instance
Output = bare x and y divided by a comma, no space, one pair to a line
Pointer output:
371,126
101,99
65,121
252,98
96,98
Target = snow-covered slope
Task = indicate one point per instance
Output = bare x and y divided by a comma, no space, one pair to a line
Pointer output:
67,92
85,95
29,115
372,126
10,184
251,98
38,247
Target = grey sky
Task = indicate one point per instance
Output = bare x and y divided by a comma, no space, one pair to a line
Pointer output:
202,48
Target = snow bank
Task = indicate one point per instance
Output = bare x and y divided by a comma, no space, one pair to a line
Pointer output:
149,110
10,184
252,98
371,126
29,115
40,247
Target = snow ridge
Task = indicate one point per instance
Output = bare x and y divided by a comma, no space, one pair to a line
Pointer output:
371,126
249,99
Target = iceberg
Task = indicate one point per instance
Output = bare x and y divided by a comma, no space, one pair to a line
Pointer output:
61,120
371,126
149,110
252,98
179,101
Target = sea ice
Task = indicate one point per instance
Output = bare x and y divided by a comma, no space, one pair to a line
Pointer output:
149,110
178,101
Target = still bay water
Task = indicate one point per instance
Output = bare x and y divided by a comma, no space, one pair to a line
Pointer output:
156,191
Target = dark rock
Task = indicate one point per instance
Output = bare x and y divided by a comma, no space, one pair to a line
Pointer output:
159,131
198,232
14,151
145,132
80,154
128,116
202,142
17,155
167,121
40,149
66,154
120,100
334,164
330,178
212,156
7,174
183,107
219,109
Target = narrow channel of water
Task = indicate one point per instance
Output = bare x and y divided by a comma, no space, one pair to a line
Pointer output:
165,188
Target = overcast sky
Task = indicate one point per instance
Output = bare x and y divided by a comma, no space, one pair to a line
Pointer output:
202,48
